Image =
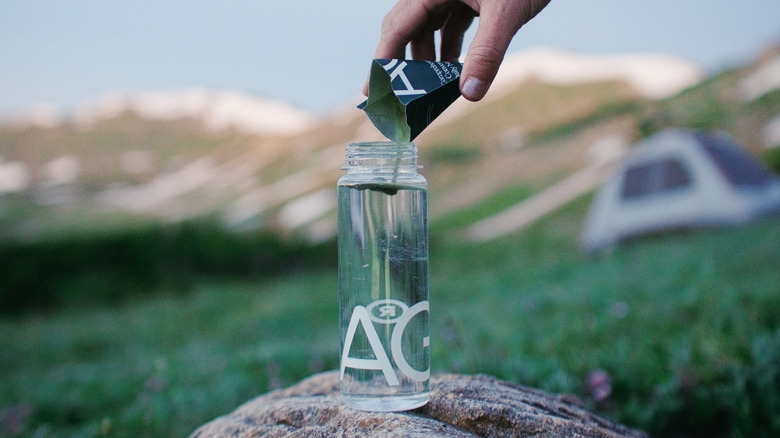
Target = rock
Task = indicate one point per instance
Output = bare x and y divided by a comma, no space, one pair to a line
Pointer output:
460,406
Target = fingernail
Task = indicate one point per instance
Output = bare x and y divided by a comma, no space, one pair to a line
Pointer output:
473,88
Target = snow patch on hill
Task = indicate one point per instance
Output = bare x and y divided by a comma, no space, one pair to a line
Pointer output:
14,176
655,76
218,110
762,81
772,133
164,188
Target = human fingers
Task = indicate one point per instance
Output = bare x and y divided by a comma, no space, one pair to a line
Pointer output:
423,46
452,33
405,21
399,27
499,22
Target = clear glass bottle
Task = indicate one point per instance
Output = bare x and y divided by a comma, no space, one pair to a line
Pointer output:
383,278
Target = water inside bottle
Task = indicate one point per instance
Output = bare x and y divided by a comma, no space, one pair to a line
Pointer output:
383,273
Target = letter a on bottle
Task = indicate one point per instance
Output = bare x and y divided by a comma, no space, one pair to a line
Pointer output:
382,362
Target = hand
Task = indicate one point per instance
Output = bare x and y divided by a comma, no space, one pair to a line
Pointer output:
415,22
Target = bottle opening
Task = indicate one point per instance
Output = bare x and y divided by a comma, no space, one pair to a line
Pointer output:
382,154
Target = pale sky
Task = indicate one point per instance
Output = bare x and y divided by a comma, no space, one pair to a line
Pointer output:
315,54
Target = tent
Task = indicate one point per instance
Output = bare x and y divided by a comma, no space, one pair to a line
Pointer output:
679,179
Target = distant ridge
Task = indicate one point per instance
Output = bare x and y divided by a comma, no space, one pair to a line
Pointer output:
275,166
218,110
653,75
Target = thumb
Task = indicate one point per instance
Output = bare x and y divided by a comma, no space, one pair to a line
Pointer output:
485,54
498,23
479,70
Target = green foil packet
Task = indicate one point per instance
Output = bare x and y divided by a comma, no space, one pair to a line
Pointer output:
405,96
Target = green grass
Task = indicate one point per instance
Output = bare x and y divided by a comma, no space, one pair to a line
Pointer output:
162,366
687,326
488,206
684,324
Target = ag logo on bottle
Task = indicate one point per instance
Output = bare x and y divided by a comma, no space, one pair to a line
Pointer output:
384,312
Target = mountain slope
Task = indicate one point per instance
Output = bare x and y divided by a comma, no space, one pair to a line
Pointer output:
175,155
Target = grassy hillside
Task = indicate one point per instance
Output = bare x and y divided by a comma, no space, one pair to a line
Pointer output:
532,136
686,327
100,148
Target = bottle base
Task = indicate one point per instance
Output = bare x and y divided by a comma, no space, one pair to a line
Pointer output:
386,403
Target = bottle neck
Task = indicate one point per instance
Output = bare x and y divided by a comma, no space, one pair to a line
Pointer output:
381,157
